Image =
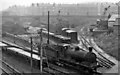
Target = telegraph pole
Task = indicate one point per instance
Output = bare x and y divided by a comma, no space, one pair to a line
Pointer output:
41,51
31,54
48,27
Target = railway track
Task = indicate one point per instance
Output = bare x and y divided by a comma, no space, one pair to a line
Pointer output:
8,69
11,71
79,68
51,70
101,59
61,69
105,62
55,69
4,71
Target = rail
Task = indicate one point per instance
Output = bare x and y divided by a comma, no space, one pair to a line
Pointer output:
4,71
12,70
79,67
57,68
104,60
51,70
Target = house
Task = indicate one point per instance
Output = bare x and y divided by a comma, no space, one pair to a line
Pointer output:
112,20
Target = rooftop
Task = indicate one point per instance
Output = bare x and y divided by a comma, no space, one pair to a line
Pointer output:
69,31
113,17
65,28
62,37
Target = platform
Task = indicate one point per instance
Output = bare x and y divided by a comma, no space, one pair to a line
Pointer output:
2,44
20,51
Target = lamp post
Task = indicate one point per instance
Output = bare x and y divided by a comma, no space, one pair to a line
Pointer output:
31,54
41,51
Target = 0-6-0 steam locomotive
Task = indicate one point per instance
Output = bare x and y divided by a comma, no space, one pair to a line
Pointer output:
70,56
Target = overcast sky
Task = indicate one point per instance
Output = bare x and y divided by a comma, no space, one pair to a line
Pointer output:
6,3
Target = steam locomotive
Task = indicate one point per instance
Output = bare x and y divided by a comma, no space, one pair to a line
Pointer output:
70,56
66,54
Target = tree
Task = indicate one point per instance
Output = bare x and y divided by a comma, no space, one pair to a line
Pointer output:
61,24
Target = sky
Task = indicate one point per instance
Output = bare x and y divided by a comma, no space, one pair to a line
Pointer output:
6,3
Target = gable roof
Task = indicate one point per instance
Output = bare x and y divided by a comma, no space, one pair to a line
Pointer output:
113,17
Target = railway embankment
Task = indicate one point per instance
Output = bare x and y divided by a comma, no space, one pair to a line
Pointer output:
115,68
107,44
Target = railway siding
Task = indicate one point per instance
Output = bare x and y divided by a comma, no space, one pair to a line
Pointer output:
102,52
8,69
108,60
53,69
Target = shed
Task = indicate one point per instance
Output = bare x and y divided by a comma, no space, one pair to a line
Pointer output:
112,20
73,35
